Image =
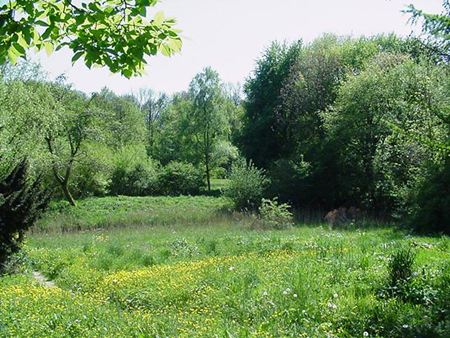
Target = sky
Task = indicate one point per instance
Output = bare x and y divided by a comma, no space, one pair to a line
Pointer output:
230,35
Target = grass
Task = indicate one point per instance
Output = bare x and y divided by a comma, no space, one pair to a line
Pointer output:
222,278
123,211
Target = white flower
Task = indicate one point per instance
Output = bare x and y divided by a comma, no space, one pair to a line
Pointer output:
335,295
265,293
366,334
295,295
405,326
231,268
331,305
285,292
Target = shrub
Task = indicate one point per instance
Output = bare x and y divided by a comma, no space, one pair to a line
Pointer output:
90,180
21,203
133,175
433,204
247,184
178,178
275,215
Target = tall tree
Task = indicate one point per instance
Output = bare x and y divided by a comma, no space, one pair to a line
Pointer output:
152,105
260,140
208,120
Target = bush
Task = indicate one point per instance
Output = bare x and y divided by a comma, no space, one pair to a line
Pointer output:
178,178
274,215
134,175
21,203
432,213
247,184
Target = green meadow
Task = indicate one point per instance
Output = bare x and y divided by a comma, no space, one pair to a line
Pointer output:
189,267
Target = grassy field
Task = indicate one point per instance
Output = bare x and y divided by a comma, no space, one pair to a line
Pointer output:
195,270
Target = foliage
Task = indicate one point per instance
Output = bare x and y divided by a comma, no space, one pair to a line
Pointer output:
113,33
376,162
121,122
275,215
178,178
208,123
432,200
246,186
152,106
21,203
133,174
65,139
259,140
436,26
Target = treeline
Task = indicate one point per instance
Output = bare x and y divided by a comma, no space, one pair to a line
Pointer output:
341,121
353,122
145,143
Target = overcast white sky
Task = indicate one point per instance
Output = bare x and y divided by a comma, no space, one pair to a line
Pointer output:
229,35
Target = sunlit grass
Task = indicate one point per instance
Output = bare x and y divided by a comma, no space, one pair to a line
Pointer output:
225,279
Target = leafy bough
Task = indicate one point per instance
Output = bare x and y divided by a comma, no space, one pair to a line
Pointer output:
111,33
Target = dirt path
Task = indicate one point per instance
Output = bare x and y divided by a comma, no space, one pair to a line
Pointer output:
42,280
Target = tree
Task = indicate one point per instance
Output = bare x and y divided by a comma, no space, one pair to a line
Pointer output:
260,139
378,166
121,121
152,105
111,33
208,120
65,138
436,26
21,203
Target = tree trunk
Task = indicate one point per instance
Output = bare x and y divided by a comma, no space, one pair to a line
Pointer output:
208,179
65,188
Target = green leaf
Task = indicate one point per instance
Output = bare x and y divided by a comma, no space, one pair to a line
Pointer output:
77,56
158,19
165,50
19,49
175,44
41,23
12,57
48,46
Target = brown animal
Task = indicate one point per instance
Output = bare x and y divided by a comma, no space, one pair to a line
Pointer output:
343,215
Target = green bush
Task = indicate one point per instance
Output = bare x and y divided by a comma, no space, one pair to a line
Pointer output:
275,215
432,212
179,178
133,174
21,203
246,186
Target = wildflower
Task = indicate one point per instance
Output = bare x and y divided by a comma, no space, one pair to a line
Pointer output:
295,295
331,305
405,326
335,295
265,293
366,334
231,268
